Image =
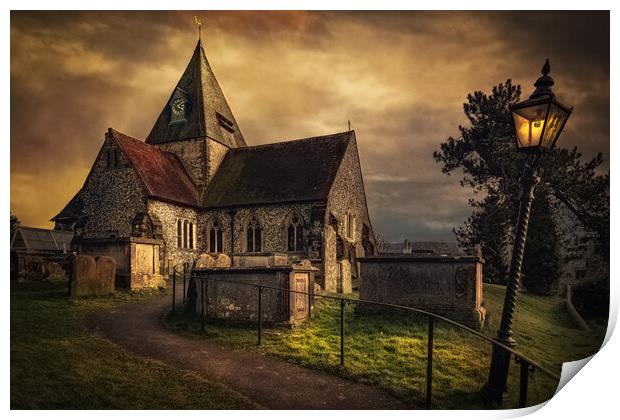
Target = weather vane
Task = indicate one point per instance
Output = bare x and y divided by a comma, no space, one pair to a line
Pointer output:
349,122
199,23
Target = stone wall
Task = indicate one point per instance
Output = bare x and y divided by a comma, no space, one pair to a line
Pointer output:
192,153
168,215
272,219
331,269
215,154
448,286
347,195
112,197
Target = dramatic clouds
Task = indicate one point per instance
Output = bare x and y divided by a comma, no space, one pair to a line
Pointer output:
400,77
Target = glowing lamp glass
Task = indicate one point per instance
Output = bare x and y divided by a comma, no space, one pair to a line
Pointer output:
538,123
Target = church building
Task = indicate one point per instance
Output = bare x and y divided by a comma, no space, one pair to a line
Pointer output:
196,186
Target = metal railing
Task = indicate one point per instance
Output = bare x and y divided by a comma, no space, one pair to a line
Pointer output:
182,272
527,365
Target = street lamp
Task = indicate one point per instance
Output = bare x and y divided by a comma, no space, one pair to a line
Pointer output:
538,122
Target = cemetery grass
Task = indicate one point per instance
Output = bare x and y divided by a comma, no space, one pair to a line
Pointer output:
56,363
389,350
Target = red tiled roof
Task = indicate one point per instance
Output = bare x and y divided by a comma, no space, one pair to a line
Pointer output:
162,172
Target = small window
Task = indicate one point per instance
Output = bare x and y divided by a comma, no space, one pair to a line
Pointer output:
215,238
179,234
349,228
191,235
185,234
253,236
227,128
295,235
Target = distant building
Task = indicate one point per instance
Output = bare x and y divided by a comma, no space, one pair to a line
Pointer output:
577,251
32,247
440,248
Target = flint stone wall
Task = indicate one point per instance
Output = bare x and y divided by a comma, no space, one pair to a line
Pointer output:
92,276
112,197
192,152
168,215
448,286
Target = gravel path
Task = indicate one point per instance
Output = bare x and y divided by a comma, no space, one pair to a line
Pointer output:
268,381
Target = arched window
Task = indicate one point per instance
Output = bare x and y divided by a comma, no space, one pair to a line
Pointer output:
295,235
350,226
191,235
179,234
253,236
185,234
215,237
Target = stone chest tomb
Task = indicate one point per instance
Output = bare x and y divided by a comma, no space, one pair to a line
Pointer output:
446,285
231,293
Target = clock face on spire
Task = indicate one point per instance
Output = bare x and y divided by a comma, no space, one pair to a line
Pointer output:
177,110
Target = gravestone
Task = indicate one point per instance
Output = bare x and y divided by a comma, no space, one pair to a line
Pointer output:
92,276
345,277
205,261
222,261
54,273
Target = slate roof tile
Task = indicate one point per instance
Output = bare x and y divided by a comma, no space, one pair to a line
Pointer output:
298,170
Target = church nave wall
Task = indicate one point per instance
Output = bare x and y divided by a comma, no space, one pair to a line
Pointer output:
169,214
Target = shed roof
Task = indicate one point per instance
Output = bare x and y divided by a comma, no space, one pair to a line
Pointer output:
37,239
298,170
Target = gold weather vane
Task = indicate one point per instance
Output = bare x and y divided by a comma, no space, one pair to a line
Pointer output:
199,23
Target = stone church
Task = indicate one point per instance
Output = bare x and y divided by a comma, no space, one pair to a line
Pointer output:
195,186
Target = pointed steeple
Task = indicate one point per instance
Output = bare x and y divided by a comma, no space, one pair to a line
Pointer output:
197,108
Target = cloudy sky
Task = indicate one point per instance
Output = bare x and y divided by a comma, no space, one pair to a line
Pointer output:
400,77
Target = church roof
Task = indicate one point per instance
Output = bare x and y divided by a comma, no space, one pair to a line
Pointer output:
72,210
207,112
299,170
162,172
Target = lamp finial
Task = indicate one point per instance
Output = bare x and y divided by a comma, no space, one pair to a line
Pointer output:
544,82
546,67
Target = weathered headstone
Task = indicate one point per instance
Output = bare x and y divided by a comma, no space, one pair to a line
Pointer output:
54,273
92,276
345,277
205,261
222,261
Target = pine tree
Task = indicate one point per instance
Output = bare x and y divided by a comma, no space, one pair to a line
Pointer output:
541,262
491,167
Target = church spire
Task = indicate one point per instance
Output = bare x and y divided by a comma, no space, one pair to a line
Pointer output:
197,108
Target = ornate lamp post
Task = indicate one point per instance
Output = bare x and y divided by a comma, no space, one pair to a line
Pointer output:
538,122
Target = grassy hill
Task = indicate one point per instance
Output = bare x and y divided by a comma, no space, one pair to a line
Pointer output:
389,350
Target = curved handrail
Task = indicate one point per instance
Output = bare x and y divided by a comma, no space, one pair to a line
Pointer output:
484,337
